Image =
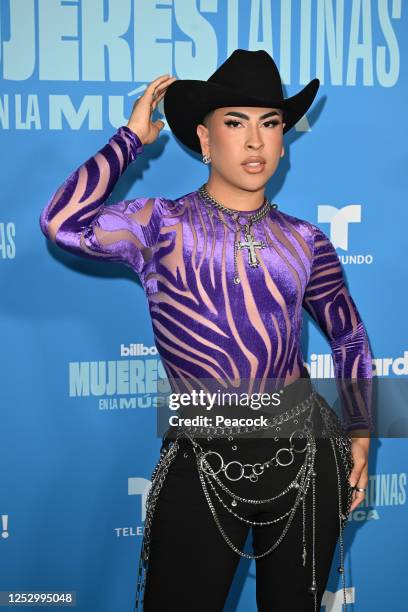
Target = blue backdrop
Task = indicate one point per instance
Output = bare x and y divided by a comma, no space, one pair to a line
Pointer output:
75,469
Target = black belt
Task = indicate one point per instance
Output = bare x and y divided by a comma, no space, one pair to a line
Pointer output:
296,403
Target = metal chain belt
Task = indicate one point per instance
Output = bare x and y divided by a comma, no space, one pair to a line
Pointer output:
257,469
209,476
272,422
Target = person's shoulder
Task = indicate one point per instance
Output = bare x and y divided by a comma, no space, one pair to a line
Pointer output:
178,198
296,223
317,240
179,202
171,208
185,198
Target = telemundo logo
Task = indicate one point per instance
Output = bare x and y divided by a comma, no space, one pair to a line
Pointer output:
339,220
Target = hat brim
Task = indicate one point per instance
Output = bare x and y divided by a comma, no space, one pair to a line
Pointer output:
187,101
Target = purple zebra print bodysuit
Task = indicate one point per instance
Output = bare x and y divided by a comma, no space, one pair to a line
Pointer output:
205,325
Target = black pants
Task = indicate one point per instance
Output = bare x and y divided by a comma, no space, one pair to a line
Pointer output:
191,567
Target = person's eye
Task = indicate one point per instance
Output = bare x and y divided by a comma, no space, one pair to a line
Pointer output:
232,123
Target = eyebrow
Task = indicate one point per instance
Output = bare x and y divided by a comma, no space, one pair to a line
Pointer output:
243,116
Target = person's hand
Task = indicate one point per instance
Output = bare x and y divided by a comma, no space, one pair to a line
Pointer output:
140,120
359,474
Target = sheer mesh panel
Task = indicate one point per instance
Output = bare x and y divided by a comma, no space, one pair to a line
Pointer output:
328,301
78,220
206,326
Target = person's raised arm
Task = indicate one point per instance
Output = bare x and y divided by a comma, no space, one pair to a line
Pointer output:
77,217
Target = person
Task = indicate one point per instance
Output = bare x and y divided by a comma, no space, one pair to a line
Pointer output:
228,310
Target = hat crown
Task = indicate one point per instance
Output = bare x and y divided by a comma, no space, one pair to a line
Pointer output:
252,73
246,78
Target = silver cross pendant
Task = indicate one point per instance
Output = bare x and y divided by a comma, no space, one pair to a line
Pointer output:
251,244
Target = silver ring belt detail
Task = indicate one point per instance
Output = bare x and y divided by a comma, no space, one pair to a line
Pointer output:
283,457
315,415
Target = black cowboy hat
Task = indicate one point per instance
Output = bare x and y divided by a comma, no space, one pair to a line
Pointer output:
246,78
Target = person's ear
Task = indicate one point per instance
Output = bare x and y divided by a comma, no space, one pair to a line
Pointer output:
283,146
202,133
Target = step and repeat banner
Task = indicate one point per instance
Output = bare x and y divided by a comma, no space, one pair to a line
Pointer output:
77,446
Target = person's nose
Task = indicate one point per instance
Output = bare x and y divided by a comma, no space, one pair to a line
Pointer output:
254,138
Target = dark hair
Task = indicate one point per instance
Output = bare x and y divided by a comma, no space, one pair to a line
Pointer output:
206,118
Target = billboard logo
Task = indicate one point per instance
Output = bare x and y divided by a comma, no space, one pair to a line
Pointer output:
136,350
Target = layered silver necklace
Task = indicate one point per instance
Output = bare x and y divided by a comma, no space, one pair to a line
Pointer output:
249,241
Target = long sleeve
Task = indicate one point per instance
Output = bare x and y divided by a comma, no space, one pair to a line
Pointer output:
330,304
78,219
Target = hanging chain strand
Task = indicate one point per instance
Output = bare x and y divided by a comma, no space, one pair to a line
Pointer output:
249,239
300,484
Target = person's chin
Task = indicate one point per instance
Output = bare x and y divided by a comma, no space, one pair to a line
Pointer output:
255,181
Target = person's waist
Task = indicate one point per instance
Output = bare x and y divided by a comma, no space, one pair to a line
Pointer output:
285,404
250,403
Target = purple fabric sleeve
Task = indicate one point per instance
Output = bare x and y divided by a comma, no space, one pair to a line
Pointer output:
78,219
330,304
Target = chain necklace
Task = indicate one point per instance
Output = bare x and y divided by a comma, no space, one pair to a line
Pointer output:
249,243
